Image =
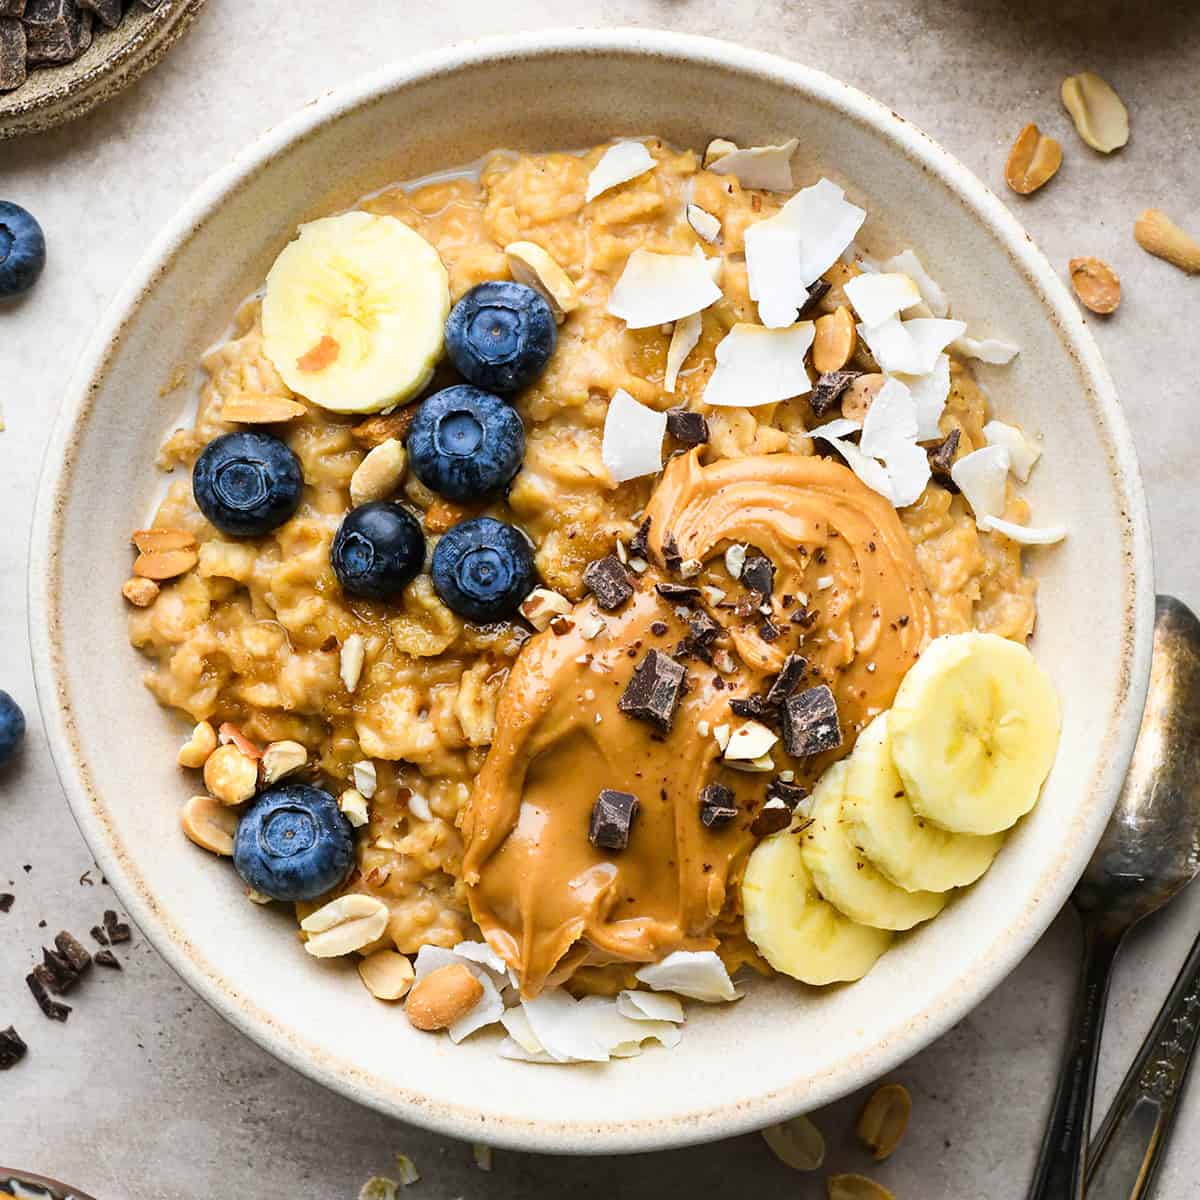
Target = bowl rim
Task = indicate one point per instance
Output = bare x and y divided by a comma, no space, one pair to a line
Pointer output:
710,1120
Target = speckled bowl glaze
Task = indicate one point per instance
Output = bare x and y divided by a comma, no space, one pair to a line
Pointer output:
783,1049
53,95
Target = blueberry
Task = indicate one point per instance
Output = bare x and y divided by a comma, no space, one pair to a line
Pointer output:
466,444
293,843
12,727
22,250
378,550
247,484
500,336
483,569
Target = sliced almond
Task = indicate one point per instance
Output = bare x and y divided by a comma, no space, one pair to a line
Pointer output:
386,974
281,759
380,472
797,1143
195,751
1157,234
1096,284
856,1187
154,541
230,775
835,340
857,398
141,593
353,805
353,654
1099,115
442,997
542,605
383,426
533,266
254,408
884,1119
165,564
344,925
209,824
1033,160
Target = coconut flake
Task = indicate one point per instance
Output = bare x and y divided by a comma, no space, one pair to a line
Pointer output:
876,298
982,478
622,1036
618,164
929,393
704,223
697,974
1027,535
839,427
650,1006
787,252
749,741
657,288
909,347
908,472
760,366
633,437
872,473
989,350
684,337
1022,453
907,262
516,1022
768,167
564,1033
890,421
484,955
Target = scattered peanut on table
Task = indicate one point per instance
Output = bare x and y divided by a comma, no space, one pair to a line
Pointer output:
796,1143
1033,161
1096,284
1157,234
1100,117
884,1120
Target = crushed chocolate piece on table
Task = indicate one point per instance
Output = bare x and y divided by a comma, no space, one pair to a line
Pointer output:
607,580
56,31
56,972
117,930
809,722
106,958
687,427
718,806
612,819
13,71
99,934
6,901
73,951
653,692
51,1008
108,12
12,1048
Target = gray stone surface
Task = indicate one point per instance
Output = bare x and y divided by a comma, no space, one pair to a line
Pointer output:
145,1094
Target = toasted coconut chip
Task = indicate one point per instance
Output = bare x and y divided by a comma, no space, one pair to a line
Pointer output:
760,366
704,223
618,164
908,472
1022,453
797,1143
564,1032
378,1188
907,262
1027,535
910,347
839,427
697,974
989,350
650,1006
982,477
623,1036
517,1024
512,1049
484,955
633,437
872,473
876,298
890,421
787,252
490,1007
684,337
657,288
768,167
929,393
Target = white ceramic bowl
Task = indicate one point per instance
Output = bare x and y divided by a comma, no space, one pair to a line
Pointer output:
783,1049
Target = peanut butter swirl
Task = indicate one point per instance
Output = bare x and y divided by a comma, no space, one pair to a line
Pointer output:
848,596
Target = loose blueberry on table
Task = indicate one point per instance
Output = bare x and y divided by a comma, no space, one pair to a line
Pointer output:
378,550
483,569
12,727
22,250
247,484
293,843
500,336
466,444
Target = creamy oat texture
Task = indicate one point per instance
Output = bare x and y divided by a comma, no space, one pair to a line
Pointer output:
252,634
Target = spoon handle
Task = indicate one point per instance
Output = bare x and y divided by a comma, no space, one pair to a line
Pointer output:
1059,1174
1128,1149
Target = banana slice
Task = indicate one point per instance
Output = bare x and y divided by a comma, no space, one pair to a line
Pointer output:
354,312
974,731
844,877
796,931
913,853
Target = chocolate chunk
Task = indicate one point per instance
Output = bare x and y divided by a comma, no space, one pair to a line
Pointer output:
6,901
13,71
769,631
717,806
116,929
150,5
828,389
108,11
639,544
607,580
658,628
51,1008
672,559
758,574
817,291
12,1048
678,593
941,459
690,428
55,31
56,972
771,818
106,958
790,793
70,948
787,680
809,722
612,819
12,8
702,629
99,934
654,690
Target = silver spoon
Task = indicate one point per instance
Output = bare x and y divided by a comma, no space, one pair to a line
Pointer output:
1150,850
22,1183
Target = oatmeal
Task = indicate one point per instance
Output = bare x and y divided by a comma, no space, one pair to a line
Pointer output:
469,752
